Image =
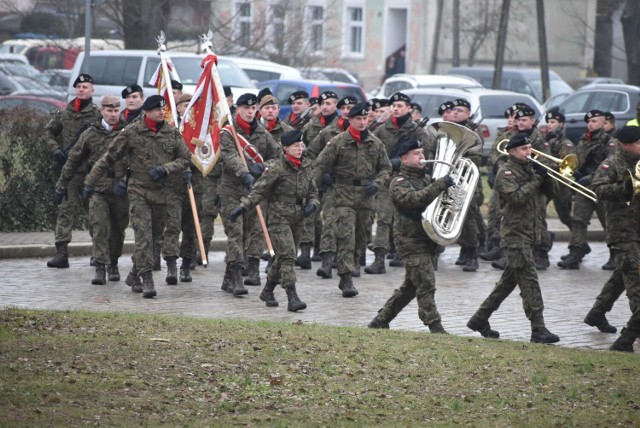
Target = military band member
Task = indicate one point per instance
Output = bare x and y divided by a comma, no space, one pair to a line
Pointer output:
612,185
560,147
519,183
288,184
133,98
445,111
410,192
360,165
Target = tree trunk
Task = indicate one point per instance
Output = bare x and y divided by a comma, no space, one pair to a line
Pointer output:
631,31
143,21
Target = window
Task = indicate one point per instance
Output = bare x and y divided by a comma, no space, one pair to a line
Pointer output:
316,28
277,27
355,31
243,26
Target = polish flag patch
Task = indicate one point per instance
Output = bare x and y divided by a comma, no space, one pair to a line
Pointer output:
605,166
508,173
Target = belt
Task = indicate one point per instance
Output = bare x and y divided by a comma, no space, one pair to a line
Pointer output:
352,181
291,200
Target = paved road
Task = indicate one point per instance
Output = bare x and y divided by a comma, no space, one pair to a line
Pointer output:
568,296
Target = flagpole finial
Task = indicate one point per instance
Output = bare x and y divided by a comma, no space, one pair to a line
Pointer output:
205,41
161,39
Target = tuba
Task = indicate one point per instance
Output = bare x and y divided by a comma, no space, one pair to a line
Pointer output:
443,219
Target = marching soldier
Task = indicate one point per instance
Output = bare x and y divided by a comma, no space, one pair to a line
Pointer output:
109,205
612,185
445,111
63,130
153,151
299,101
519,183
288,184
360,165
410,192
133,98
560,147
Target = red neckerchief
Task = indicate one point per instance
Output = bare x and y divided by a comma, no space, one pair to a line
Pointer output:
153,125
394,120
293,117
244,125
271,124
294,161
343,124
323,120
355,134
126,114
77,105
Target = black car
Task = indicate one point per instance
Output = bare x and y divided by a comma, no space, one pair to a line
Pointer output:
621,100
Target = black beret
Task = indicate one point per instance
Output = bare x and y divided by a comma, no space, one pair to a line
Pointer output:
247,100
359,110
399,96
518,140
227,91
609,116
82,78
405,146
554,114
328,94
263,92
514,109
372,103
525,111
298,95
131,89
347,101
314,100
176,85
459,102
154,101
593,113
628,134
382,102
291,137
447,105
417,107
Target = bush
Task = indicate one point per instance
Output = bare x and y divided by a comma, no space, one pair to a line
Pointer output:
27,175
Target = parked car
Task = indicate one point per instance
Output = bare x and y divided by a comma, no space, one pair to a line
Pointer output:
12,58
259,70
621,100
42,104
402,82
113,70
16,84
555,100
487,107
524,80
596,81
333,74
281,89
56,78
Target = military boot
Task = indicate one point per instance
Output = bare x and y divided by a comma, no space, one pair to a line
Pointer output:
436,327
598,319
304,259
172,270
396,262
156,256
295,304
542,335
378,322
541,259
611,263
462,257
574,259
133,281
267,294
316,250
101,275
237,287
227,282
148,288
377,267
472,260
185,267
324,271
346,285
624,343
483,327
253,270
492,252
501,262
61,259
586,249
112,271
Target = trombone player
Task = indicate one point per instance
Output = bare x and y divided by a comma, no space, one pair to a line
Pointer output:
616,184
520,184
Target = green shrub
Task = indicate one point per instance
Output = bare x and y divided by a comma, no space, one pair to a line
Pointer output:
27,175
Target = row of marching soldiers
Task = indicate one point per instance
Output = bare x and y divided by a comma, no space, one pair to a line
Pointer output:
351,167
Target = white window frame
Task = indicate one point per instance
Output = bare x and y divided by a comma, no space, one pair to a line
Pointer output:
313,23
240,21
349,26
275,22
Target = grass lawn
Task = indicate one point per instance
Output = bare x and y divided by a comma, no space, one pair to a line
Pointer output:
79,368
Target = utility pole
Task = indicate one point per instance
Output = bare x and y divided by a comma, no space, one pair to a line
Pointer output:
456,34
544,56
436,38
87,34
502,43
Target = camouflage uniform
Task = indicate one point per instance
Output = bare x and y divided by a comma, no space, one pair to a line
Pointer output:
543,246
143,149
518,187
108,214
354,165
623,237
278,130
559,147
410,192
65,127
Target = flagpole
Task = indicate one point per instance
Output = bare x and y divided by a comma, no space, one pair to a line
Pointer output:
206,46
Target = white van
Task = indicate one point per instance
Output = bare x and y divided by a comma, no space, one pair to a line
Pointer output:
259,70
112,71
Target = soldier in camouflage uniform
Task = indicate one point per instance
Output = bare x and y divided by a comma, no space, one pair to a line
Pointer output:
288,184
612,186
269,110
299,102
592,149
360,165
560,147
108,212
410,192
235,182
518,184
153,150
63,130
397,128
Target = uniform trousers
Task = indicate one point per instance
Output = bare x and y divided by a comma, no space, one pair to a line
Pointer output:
68,209
109,217
147,220
353,226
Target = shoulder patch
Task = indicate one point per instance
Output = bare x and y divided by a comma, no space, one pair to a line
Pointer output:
400,179
605,166
569,144
508,173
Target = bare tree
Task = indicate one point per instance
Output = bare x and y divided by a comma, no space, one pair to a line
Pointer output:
631,30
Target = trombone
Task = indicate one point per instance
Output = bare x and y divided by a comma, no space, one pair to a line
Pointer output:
566,168
635,182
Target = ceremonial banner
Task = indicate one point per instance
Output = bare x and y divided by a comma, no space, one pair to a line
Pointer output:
163,83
